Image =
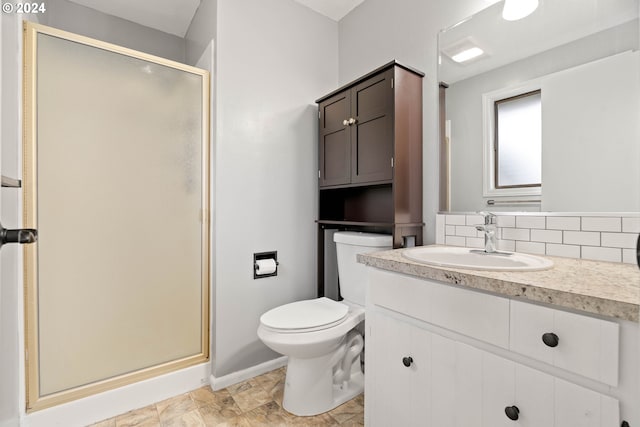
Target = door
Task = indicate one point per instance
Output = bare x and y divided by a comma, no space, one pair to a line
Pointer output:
334,158
116,182
372,132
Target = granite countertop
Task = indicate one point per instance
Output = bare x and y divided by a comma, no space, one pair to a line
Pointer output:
604,288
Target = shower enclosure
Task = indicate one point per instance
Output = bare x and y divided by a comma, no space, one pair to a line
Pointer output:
116,181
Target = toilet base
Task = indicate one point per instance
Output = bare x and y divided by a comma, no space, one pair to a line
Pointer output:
309,388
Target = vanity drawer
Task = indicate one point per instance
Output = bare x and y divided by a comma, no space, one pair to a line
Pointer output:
585,345
475,314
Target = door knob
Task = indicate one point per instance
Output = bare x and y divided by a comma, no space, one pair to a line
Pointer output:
513,413
21,235
407,361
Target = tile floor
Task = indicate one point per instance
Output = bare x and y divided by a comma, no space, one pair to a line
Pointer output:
255,402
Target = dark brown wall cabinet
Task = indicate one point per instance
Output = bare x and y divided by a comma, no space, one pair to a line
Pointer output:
370,157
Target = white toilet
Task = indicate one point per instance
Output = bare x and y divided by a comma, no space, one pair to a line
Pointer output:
319,335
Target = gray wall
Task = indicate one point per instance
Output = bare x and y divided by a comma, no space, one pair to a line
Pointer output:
378,31
272,60
464,108
82,20
201,31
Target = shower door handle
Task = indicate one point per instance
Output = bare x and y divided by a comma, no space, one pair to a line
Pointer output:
20,235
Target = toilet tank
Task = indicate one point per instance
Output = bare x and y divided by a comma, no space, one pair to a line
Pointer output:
353,275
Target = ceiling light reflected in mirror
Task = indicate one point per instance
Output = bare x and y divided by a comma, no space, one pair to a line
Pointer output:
464,50
517,9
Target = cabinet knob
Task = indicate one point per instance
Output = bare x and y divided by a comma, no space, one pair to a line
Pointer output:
352,121
345,122
513,413
624,424
550,339
407,361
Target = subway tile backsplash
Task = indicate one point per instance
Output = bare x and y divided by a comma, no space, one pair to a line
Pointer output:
604,237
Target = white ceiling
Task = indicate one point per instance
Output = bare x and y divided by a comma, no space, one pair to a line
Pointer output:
174,16
334,9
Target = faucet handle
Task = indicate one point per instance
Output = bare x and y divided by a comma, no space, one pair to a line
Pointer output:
489,218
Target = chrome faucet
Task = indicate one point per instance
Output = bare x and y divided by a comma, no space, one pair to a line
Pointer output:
489,229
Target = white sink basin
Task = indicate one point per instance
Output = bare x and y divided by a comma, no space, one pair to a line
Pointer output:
476,259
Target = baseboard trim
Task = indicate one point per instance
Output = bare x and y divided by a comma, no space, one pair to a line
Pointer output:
218,383
105,405
10,423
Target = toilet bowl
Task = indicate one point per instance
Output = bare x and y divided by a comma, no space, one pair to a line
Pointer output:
321,336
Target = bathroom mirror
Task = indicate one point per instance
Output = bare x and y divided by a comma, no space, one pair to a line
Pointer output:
582,58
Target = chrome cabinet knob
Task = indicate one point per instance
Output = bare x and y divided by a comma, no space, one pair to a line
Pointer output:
352,121
345,122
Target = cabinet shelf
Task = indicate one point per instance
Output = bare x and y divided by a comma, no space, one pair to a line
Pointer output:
370,159
355,223
368,224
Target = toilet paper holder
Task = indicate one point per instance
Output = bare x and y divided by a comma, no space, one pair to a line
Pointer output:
264,255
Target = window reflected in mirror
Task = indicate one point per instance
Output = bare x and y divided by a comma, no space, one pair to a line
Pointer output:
518,141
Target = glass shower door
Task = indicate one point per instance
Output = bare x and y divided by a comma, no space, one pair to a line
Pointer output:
116,182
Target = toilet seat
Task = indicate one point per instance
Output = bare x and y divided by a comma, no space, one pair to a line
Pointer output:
305,316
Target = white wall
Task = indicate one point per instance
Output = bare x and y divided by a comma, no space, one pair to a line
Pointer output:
582,163
11,302
273,60
378,31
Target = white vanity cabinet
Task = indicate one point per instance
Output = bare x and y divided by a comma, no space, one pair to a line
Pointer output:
424,368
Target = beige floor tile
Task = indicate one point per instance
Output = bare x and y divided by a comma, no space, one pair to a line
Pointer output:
189,419
214,415
253,403
315,421
269,414
143,417
276,391
268,381
240,421
243,386
251,398
174,407
354,422
205,396
348,410
111,422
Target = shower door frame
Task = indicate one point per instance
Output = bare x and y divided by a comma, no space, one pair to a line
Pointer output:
34,401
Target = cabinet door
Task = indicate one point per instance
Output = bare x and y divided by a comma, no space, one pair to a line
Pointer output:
508,384
372,132
334,157
456,383
399,394
580,407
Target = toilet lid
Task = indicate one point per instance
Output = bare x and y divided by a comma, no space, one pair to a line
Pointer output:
314,313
